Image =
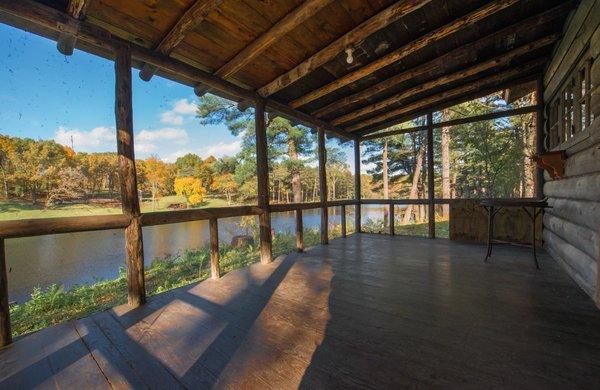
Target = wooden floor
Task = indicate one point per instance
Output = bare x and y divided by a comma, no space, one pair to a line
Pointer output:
368,311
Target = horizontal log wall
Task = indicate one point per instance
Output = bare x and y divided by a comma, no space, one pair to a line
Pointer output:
571,226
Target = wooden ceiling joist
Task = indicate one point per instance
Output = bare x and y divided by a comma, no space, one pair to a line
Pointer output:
369,93
194,15
499,61
66,42
262,43
404,51
368,27
496,79
50,19
289,22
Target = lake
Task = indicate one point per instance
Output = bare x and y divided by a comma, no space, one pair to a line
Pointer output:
80,258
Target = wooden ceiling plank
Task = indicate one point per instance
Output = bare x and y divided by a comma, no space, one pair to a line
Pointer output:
461,90
430,66
404,51
501,60
194,15
368,27
289,22
66,42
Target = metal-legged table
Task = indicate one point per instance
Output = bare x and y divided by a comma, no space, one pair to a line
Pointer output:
494,205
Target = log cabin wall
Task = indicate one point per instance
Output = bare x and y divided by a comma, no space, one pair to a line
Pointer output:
572,124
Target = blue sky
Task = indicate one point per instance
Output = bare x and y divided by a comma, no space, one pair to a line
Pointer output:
46,95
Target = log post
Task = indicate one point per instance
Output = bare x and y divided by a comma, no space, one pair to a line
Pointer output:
540,134
262,173
323,185
299,232
134,249
343,218
5,332
215,271
392,222
430,178
357,222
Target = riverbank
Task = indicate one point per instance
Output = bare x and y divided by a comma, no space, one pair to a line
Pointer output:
55,304
14,209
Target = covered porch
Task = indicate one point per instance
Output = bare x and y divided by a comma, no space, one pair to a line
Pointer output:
364,311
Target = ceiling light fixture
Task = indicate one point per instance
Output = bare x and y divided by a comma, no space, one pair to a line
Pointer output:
349,58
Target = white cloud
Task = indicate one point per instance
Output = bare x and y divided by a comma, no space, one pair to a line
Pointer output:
181,108
97,139
184,107
165,134
175,155
170,118
221,149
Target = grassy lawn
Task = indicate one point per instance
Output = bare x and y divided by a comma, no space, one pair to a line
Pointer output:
412,229
11,210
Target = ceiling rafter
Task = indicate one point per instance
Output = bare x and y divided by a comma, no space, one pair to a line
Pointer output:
193,16
449,94
66,42
498,61
367,94
404,51
357,34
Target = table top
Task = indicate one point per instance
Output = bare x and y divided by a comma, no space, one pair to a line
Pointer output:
515,202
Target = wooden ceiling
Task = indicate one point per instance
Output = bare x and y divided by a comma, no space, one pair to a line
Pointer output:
409,56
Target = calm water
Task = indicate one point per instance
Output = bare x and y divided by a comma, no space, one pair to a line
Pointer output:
78,258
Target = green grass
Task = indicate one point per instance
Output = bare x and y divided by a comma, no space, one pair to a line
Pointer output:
412,229
11,209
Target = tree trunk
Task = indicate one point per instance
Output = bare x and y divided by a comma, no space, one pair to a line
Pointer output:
415,183
296,185
445,164
529,133
386,189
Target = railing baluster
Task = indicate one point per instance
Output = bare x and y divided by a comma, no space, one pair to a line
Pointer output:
5,332
299,231
392,216
215,270
343,217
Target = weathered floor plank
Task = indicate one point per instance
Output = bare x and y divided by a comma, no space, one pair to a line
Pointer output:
367,311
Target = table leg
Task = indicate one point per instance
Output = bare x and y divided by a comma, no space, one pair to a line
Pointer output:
490,211
537,265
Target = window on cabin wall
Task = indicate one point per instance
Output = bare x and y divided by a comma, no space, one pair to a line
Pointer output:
569,112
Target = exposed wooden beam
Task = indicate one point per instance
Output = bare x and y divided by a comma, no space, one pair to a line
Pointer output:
195,14
499,61
461,90
50,19
66,42
484,90
134,249
289,22
406,50
430,177
455,122
368,27
262,173
432,66
323,187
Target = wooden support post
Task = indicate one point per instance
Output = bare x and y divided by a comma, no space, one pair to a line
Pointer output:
299,232
392,217
134,249
357,222
540,137
5,332
343,218
430,178
262,173
323,185
215,270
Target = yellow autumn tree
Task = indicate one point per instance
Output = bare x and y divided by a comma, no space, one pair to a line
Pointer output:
224,184
191,188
